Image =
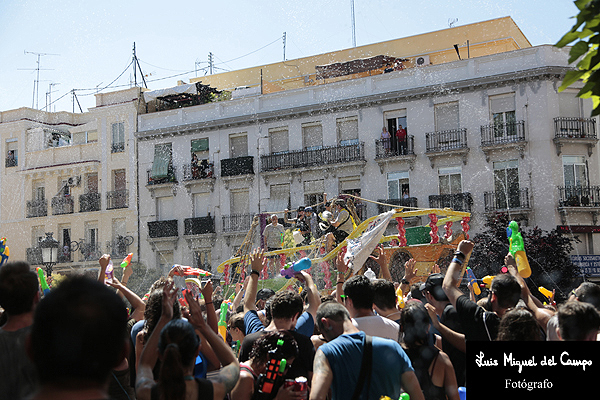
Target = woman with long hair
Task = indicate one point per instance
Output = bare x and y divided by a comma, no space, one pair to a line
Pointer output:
176,343
432,366
281,343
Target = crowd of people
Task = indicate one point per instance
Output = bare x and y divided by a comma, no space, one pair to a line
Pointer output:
361,341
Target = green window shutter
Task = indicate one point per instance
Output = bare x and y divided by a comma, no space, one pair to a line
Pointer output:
199,145
162,159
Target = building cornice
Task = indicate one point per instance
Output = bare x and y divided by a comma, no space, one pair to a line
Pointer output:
550,73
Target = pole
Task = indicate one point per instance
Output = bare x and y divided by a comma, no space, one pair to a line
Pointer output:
210,63
284,40
353,23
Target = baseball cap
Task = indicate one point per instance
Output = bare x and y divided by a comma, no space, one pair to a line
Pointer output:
308,209
433,285
264,294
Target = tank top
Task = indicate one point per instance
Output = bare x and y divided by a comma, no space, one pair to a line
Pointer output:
422,358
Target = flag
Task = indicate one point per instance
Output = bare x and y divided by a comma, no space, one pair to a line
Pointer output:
360,249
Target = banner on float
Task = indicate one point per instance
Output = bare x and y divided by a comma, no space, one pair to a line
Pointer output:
360,249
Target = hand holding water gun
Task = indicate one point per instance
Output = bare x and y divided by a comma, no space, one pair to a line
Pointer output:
473,281
43,282
182,270
517,249
223,321
126,261
291,269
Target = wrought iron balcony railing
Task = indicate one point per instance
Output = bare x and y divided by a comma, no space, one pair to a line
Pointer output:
579,196
120,246
457,202
158,229
89,202
237,166
37,208
237,222
501,201
89,251
170,178
393,147
198,171
574,128
198,225
313,157
502,133
33,255
117,199
454,139
62,205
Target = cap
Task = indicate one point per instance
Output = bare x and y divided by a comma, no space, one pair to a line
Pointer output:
264,294
308,209
273,216
433,285
301,208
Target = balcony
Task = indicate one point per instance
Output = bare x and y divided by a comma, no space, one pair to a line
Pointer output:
120,246
502,136
33,255
170,178
117,147
389,150
443,143
198,225
315,157
502,201
11,161
117,199
89,251
457,202
199,171
579,196
237,166
407,202
37,208
237,222
62,205
89,202
160,229
575,130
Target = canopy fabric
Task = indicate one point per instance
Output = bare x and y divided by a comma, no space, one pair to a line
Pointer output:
189,88
162,159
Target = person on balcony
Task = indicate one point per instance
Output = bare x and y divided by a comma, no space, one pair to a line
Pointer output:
386,139
401,138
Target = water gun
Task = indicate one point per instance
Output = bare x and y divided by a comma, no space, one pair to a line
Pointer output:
270,381
223,321
191,271
236,348
487,280
43,282
473,281
291,269
545,292
517,249
126,261
400,297
4,252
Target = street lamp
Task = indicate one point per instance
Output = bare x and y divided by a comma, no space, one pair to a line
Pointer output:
49,247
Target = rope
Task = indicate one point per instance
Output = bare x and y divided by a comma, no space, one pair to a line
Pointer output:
383,204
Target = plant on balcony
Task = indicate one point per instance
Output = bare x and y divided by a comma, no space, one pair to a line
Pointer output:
547,251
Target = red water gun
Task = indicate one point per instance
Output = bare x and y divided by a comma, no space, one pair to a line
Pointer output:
187,271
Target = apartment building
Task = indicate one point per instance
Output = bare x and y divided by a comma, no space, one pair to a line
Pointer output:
486,134
73,176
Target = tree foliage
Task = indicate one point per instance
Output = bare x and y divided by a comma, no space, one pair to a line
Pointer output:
547,252
586,35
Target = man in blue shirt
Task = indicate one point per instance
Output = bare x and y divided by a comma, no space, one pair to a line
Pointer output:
337,363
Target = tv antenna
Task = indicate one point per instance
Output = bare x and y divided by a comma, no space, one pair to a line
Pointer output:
353,23
49,96
136,66
36,82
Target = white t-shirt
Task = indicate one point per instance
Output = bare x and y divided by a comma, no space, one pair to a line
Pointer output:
377,325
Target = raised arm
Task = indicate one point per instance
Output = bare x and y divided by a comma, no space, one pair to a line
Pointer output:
211,314
456,339
453,278
313,298
228,375
256,263
341,267
240,295
137,304
103,261
410,271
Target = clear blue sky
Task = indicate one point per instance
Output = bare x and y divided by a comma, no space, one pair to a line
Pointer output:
93,40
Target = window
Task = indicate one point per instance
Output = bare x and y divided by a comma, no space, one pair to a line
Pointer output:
64,189
240,201
119,179
162,165
202,259
279,140
118,137
502,108
450,180
39,191
165,209
398,186
64,240
313,193
38,233
446,116
279,197
201,205
91,183
12,153
312,136
506,184
85,137
199,147
575,171
238,144
569,105
347,130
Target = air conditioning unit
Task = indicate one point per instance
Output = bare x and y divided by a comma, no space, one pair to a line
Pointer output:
422,61
74,181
